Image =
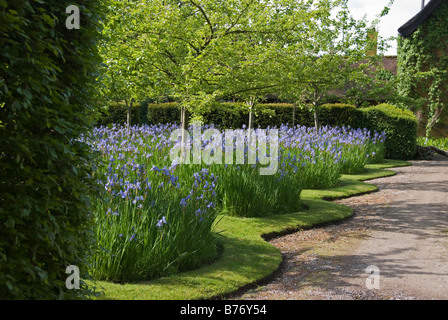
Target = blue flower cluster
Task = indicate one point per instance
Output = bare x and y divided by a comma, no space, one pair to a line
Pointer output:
150,209
135,174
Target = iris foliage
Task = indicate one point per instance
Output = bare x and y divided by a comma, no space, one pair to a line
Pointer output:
154,217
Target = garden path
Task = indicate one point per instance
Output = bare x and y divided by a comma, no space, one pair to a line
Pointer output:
402,230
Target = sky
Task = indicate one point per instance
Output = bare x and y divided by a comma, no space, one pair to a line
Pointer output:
400,12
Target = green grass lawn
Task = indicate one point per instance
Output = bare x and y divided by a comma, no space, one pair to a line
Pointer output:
246,257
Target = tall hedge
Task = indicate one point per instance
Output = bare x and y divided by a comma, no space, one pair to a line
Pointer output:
168,112
233,114
339,115
47,74
400,127
116,112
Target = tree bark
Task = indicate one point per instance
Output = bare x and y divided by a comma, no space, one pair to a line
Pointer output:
294,114
184,125
250,118
251,104
316,107
316,116
128,112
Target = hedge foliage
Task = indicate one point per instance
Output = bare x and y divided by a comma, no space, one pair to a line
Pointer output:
116,113
46,102
225,114
399,125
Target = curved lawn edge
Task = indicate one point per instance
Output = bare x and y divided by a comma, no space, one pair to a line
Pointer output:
247,258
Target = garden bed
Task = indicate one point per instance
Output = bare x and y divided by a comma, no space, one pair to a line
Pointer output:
246,257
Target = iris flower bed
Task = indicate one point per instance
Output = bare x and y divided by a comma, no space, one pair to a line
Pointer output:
154,217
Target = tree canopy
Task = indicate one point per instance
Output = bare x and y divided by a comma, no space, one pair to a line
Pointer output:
201,51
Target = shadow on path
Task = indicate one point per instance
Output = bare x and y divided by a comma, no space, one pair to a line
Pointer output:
402,229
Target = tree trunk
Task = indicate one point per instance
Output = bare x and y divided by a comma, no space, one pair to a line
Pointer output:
251,151
128,113
294,114
316,116
250,118
316,107
184,125
251,104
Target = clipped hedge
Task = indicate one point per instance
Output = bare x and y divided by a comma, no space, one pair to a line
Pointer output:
116,112
339,114
168,112
276,114
46,102
225,114
234,114
399,125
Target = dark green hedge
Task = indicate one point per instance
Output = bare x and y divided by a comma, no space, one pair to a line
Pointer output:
338,115
116,112
226,114
47,74
168,112
399,125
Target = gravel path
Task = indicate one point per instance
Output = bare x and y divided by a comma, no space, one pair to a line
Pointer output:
401,230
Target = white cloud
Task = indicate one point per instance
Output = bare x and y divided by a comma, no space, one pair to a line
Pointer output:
400,12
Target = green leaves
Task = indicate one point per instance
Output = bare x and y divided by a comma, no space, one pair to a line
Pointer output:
196,52
422,69
46,98
202,51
